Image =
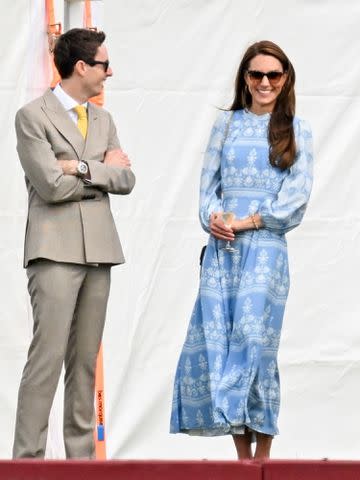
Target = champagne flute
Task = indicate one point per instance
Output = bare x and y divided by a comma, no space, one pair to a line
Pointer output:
228,218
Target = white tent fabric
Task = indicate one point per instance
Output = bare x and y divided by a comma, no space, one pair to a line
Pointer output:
174,62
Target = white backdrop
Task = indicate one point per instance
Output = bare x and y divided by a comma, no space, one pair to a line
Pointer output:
174,62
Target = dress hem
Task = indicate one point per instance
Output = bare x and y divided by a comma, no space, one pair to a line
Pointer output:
216,432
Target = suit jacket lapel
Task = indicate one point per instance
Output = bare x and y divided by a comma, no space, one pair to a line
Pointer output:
92,131
59,117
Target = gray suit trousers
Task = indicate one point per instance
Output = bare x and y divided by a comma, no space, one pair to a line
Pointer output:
69,306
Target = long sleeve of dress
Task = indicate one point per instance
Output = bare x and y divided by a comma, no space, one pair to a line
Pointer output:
286,211
210,182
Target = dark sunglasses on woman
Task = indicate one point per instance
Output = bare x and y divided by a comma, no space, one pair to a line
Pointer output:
274,76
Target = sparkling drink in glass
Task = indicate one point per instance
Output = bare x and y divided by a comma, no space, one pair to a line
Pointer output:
228,218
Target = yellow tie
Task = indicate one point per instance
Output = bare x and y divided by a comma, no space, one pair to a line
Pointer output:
82,122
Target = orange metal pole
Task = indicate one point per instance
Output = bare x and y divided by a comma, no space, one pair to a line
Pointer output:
100,444
53,31
87,14
99,434
98,99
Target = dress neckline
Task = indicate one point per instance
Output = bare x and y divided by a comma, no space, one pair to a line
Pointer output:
263,116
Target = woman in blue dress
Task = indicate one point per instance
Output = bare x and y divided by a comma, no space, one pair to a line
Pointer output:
258,165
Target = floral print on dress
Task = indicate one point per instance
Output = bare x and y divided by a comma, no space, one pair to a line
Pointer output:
227,376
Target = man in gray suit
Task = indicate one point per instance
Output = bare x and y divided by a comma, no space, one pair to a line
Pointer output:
72,161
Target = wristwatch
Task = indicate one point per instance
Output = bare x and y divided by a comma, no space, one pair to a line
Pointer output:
82,169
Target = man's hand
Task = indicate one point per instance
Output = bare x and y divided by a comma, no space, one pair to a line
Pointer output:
117,158
69,167
219,229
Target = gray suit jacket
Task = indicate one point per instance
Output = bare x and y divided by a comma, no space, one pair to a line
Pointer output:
65,223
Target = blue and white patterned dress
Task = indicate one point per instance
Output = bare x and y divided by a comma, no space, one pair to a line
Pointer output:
227,376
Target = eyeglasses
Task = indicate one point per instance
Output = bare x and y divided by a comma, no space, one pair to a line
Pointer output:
105,64
274,76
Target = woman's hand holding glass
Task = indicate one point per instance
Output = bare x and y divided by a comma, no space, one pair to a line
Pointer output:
226,231
219,229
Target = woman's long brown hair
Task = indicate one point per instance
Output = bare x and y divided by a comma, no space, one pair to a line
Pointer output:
281,131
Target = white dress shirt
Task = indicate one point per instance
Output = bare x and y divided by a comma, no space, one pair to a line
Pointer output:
67,102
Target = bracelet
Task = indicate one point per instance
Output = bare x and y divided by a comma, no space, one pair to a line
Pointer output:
254,222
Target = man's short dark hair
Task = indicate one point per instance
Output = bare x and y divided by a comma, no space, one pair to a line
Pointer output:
76,44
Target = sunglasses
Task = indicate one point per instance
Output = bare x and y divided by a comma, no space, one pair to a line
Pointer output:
105,64
274,77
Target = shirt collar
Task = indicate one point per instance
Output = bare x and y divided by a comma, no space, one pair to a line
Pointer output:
64,98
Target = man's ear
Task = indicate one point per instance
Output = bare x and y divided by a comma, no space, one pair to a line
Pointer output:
80,68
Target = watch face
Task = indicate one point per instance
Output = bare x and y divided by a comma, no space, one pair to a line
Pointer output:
82,168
